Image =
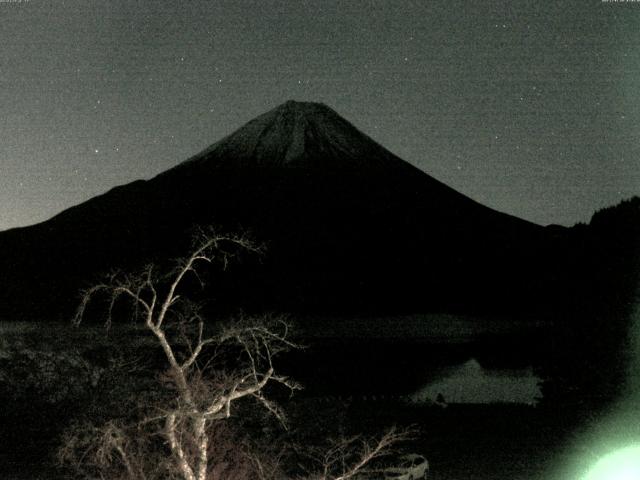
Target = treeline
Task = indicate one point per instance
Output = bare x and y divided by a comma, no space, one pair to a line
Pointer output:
591,350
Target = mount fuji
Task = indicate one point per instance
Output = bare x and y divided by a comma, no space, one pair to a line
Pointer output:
348,226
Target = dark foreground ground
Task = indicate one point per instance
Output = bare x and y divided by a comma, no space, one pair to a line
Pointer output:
461,442
487,442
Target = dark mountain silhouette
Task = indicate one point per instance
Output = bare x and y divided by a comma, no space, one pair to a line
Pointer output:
348,225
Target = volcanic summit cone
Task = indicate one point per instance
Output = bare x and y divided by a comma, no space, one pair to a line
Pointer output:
347,224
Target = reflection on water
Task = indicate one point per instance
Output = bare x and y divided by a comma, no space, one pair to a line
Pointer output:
471,383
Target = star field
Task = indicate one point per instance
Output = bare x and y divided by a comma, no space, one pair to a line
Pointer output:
530,108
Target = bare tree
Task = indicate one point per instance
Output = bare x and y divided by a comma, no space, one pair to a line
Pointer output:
182,435
205,386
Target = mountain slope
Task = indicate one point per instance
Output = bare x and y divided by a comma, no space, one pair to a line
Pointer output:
348,225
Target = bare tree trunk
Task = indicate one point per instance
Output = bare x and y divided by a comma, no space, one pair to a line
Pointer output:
202,440
176,448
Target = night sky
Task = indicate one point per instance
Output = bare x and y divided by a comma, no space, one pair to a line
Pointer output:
529,107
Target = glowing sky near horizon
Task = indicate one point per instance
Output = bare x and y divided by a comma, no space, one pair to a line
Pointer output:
531,108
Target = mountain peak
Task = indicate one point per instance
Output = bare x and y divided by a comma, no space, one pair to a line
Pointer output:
306,111
296,134
301,116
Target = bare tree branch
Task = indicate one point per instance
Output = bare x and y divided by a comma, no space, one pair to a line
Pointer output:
350,457
198,402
